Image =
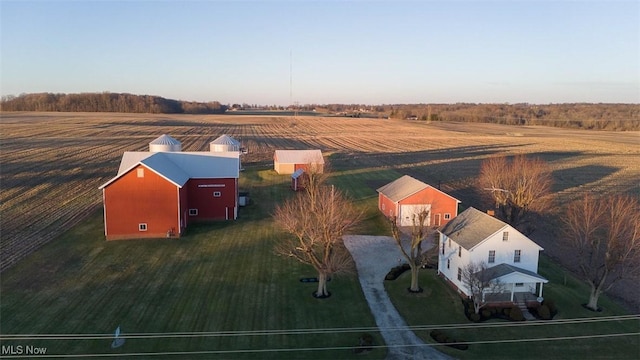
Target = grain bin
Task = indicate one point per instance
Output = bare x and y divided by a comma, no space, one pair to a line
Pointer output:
224,143
165,143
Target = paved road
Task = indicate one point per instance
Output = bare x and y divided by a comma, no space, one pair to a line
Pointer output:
374,257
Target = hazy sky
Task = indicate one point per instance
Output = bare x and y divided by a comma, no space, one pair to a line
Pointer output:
335,51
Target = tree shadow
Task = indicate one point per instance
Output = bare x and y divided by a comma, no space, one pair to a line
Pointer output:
578,176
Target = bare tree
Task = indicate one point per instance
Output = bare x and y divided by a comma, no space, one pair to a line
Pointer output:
517,186
605,234
419,232
317,224
315,176
478,279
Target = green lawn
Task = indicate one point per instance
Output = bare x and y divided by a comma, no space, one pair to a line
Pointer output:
439,304
225,277
219,277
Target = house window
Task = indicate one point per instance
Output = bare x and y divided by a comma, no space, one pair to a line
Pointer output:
383,207
193,212
442,248
459,274
142,226
447,216
448,263
459,251
505,236
516,256
140,172
449,241
492,256
519,284
217,194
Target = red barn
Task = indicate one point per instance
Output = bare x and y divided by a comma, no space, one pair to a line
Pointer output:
407,196
158,194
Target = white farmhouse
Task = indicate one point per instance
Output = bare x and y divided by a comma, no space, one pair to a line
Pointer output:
510,257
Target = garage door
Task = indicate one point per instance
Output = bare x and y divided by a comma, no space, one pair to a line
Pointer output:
407,213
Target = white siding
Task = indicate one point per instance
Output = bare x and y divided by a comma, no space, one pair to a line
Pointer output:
480,253
455,261
505,250
408,211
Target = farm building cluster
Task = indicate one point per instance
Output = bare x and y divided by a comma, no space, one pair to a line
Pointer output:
158,193
472,237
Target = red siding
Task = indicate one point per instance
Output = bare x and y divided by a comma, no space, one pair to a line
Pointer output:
210,207
440,203
133,200
387,206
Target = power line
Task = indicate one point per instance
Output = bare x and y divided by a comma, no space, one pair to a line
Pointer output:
314,331
211,352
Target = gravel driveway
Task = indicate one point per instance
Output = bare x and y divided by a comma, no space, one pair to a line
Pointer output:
374,257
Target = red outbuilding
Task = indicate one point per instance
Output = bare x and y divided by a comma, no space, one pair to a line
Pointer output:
159,193
407,196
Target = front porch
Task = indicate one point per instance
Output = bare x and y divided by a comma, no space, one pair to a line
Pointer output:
510,298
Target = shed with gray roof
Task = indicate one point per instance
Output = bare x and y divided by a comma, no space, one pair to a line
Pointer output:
288,161
404,197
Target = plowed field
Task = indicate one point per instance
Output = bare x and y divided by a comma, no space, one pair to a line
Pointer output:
53,163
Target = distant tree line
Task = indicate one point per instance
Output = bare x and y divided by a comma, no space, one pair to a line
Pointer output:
107,102
572,115
598,116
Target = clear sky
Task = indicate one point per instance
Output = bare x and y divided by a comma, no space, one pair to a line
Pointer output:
370,52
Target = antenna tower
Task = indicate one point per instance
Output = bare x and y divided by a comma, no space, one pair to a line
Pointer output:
294,105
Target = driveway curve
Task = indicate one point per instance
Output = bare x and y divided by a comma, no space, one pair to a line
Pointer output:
374,257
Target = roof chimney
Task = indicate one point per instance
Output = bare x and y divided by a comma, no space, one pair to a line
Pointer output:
491,213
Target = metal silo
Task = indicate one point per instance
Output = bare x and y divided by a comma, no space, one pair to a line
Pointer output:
165,143
224,143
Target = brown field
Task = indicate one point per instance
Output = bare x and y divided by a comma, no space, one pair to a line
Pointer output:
52,163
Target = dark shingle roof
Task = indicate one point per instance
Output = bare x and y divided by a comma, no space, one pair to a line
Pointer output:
471,227
505,269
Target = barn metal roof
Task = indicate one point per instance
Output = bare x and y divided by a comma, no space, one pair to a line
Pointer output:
402,188
179,167
299,157
406,186
165,139
472,227
225,140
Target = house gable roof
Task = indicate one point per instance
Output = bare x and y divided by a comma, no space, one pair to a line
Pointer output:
471,227
179,167
406,186
515,274
299,156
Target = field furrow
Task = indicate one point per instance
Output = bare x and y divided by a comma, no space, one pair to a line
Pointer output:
53,163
